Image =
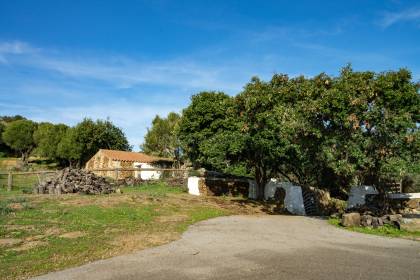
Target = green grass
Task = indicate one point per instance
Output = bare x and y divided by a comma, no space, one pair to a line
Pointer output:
156,212
156,189
386,230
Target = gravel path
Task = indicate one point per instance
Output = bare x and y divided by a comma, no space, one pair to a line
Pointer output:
266,247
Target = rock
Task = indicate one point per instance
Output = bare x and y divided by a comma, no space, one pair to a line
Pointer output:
395,217
375,223
119,191
366,220
413,204
350,219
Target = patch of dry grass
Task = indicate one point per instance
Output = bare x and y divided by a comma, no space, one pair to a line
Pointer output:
54,232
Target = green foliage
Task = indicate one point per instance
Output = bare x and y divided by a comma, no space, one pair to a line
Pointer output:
161,139
81,142
47,137
326,132
207,131
68,148
18,135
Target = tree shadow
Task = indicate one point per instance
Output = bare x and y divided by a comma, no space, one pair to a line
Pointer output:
268,207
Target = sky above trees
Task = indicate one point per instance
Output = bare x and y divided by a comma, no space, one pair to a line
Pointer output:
61,61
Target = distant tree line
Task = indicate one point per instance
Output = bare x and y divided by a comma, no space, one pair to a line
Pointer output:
68,146
326,132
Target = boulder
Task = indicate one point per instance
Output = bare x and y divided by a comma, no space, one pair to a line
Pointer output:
375,222
395,217
366,220
350,219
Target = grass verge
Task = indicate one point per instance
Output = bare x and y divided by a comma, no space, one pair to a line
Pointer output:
43,233
385,230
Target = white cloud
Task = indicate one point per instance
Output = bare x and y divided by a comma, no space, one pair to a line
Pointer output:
123,72
391,18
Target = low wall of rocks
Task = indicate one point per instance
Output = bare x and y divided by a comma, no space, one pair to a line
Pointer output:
407,201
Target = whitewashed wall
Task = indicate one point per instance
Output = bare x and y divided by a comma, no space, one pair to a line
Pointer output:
193,185
293,200
357,196
146,175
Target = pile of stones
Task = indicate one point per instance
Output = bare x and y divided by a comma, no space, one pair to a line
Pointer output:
367,219
74,181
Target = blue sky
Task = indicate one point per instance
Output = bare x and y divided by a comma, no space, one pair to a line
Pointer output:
61,61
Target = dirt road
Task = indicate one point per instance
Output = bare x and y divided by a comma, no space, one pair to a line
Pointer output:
267,247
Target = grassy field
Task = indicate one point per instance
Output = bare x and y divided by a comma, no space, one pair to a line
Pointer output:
35,163
386,230
42,233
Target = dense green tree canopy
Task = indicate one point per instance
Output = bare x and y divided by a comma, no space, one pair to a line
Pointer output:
207,115
81,142
326,132
5,150
18,135
69,148
161,139
47,137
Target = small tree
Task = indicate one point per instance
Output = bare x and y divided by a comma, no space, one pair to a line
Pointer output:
267,126
161,139
18,135
69,149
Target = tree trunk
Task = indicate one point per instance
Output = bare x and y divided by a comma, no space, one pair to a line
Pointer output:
261,180
25,159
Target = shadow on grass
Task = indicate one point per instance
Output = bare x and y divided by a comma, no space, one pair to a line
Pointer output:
268,207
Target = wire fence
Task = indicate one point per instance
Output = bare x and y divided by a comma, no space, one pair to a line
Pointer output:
26,181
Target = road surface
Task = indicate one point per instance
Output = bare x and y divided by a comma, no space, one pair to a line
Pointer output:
266,247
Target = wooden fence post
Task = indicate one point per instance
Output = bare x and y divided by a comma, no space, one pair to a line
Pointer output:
116,173
9,181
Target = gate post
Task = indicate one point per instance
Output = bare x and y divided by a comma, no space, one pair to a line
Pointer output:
9,181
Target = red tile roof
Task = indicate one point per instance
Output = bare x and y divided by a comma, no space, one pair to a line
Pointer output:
131,156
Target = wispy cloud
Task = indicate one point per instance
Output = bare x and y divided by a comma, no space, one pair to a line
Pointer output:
14,48
122,72
408,15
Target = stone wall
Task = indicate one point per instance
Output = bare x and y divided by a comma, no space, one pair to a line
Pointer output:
218,186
